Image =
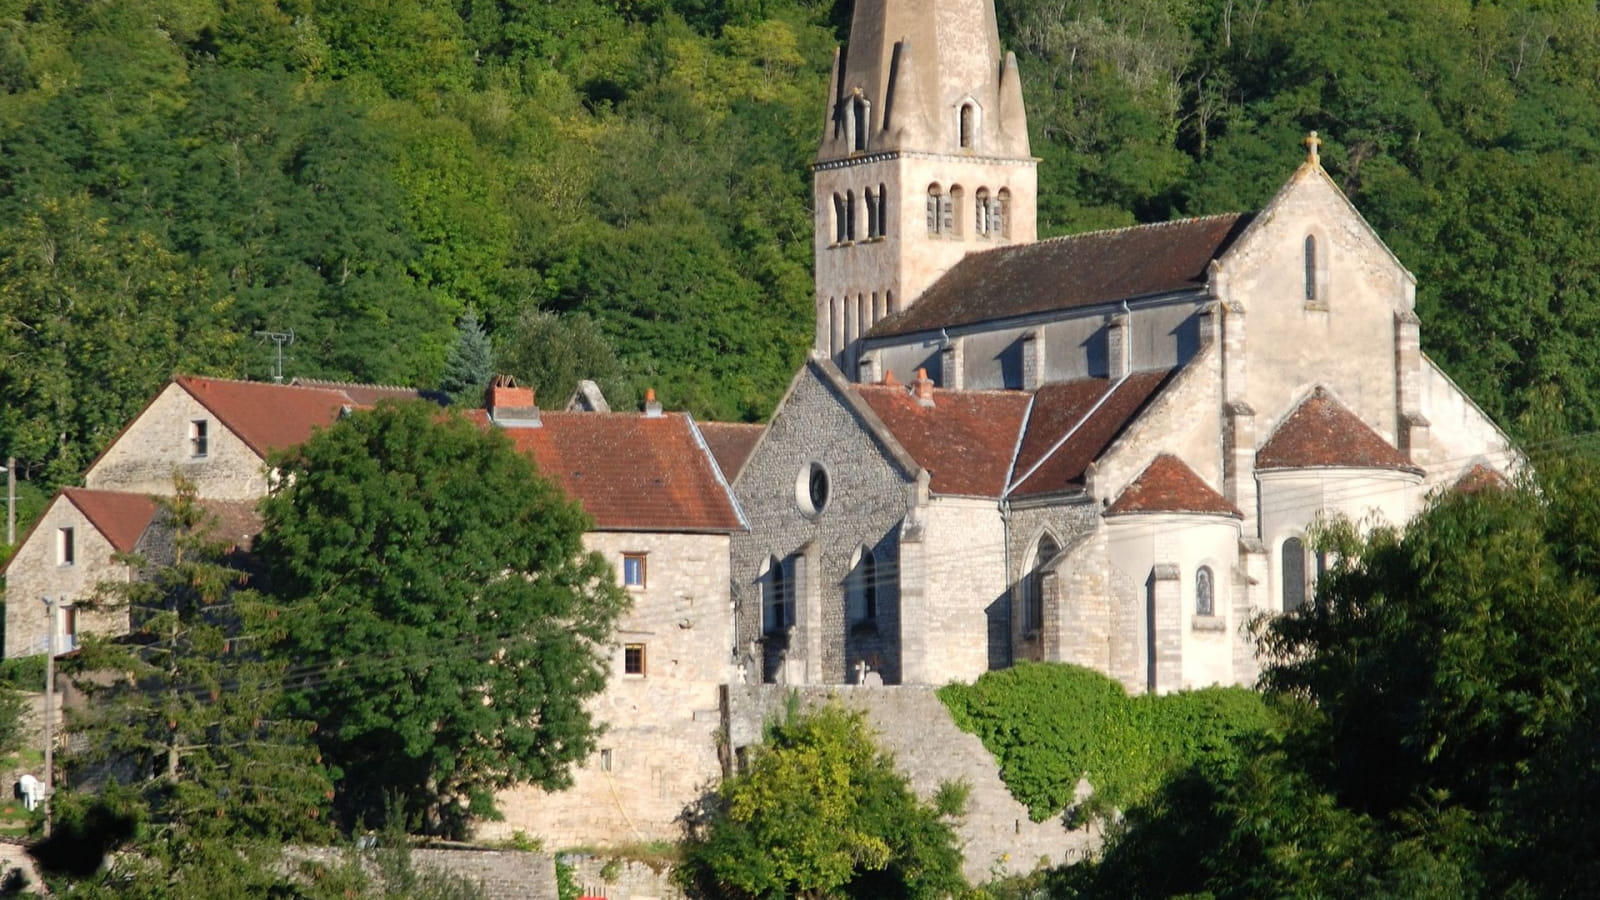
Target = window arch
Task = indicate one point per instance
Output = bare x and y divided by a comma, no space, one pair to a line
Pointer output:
1033,590
1205,592
1310,254
1292,573
953,210
778,599
967,125
862,589
983,220
1002,213
935,208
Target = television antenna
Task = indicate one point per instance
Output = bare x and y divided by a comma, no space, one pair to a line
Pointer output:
281,338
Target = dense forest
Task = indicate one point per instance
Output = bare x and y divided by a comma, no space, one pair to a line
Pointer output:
619,188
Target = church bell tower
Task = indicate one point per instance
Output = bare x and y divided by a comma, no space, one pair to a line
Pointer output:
924,159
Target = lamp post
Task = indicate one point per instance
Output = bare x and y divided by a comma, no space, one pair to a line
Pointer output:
11,500
49,709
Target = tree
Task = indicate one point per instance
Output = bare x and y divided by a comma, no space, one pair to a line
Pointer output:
821,812
550,352
467,368
184,732
445,622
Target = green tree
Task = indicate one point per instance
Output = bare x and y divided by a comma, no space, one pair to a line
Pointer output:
821,812
468,368
550,352
445,622
185,732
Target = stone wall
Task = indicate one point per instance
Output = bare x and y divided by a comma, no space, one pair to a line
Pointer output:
157,444
996,834
613,878
36,572
659,751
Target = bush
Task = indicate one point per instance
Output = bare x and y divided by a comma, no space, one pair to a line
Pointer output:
1048,725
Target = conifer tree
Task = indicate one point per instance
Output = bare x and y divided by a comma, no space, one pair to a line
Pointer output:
467,369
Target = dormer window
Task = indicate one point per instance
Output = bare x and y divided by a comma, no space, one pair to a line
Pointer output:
198,438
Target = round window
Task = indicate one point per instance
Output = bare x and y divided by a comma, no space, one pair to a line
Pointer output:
812,489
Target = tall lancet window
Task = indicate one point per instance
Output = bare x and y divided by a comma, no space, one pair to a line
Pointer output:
935,209
1292,573
966,125
850,215
883,210
840,219
873,226
861,116
984,221
1311,268
1002,213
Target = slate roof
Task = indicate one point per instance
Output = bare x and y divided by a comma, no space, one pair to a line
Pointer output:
731,443
1322,433
631,472
965,439
1069,272
274,416
1016,443
1167,485
121,517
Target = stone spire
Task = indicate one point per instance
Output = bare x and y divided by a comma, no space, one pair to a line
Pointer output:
925,76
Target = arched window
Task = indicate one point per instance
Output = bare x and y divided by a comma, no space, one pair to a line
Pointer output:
1292,571
1311,268
883,210
1033,592
862,111
966,125
888,302
1002,213
953,207
872,214
935,209
850,215
777,606
984,214
862,601
1205,592
840,217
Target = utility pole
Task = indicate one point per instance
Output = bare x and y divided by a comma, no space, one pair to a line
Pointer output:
11,500
49,710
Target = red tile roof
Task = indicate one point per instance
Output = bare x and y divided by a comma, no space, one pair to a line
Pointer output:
370,394
1069,272
1061,411
1321,433
731,443
1167,485
235,521
275,416
121,517
965,439
630,472
1480,478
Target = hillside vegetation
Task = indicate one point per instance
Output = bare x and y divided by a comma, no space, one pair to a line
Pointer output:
624,181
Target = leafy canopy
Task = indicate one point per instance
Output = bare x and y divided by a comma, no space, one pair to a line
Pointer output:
444,622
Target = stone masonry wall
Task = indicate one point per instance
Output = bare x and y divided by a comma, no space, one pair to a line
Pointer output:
156,444
659,751
36,572
995,834
869,498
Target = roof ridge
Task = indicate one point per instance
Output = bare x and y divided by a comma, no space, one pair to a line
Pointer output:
1137,226
328,382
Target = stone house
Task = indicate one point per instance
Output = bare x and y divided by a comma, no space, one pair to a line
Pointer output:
1106,449
663,517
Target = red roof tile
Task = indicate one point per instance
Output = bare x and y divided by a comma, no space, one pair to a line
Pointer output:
1321,433
267,416
121,517
630,472
1067,411
965,439
731,443
1480,478
1167,485
1069,272
370,394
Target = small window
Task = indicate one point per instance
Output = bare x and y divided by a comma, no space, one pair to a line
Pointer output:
840,219
951,217
633,659
850,215
872,214
883,210
1001,220
983,219
198,441
1033,591
1205,603
1292,572
66,547
966,125
862,118
1311,269
605,759
776,616
69,624
862,601
633,570
935,209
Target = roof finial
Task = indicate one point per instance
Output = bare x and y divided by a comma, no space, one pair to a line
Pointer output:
1313,142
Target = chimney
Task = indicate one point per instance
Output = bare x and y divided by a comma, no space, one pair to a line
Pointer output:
510,406
888,377
923,388
652,407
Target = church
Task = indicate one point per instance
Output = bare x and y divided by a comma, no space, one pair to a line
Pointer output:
1108,449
